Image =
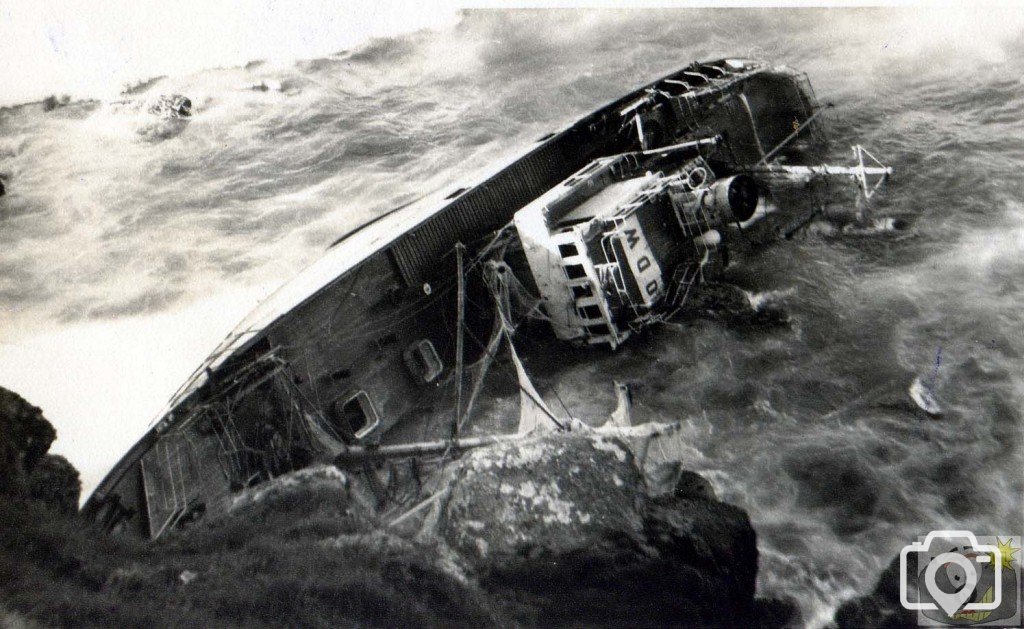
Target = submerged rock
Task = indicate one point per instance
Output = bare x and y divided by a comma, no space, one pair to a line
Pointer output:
266,85
171,106
53,102
165,106
720,301
138,87
162,117
564,525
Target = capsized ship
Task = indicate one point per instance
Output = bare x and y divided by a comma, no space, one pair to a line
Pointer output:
603,227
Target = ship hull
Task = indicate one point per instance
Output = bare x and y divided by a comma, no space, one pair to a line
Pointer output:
365,339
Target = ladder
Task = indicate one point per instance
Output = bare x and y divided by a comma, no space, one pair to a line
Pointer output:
684,280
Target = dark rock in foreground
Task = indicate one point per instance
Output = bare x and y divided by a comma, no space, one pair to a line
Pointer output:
555,530
564,527
881,609
26,470
778,613
514,501
25,437
55,482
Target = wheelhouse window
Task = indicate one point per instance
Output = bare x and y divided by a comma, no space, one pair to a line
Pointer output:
575,271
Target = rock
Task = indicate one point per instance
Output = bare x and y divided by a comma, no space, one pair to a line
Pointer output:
282,487
316,501
136,577
693,485
775,613
171,106
924,398
55,482
564,526
25,437
671,478
26,470
138,87
266,86
172,113
881,609
52,102
285,491
730,304
166,115
3,190
510,497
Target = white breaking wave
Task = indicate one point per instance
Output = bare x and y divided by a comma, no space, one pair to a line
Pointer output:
57,47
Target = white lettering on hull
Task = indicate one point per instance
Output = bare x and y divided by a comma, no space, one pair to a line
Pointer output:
642,263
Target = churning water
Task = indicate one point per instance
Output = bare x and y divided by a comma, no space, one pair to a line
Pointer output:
129,246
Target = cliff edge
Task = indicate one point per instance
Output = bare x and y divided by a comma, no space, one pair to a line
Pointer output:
555,530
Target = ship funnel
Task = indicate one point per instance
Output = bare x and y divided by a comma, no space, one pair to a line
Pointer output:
734,198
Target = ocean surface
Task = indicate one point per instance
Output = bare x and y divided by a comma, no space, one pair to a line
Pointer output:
129,246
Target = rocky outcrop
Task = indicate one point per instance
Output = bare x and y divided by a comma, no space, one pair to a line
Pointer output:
514,500
294,555
565,527
171,106
560,529
26,470
881,609
778,613
289,488
53,102
25,437
55,482
550,531
319,489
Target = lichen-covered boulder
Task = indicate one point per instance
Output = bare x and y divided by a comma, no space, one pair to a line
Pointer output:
551,495
563,528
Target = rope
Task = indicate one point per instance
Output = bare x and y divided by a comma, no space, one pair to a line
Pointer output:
789,138
554,389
